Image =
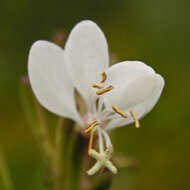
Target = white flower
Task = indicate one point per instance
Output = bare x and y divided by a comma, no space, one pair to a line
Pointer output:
54,73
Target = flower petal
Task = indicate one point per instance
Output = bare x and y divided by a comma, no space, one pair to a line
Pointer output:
136,86
120,76
49,80
86,54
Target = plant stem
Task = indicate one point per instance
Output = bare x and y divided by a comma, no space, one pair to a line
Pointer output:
64,131
4,175
58,156
45,138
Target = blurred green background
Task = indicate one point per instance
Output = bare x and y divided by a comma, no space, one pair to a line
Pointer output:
156,32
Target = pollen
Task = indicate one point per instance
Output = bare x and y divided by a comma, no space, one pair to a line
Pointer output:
137,124
104,77
97,85
117,110
102,91
92,126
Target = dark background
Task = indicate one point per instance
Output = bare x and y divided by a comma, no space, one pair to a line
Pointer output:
156,32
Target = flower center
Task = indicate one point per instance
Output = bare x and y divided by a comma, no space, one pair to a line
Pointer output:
95,124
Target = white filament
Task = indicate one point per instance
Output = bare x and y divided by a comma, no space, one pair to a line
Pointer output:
107,138
101,145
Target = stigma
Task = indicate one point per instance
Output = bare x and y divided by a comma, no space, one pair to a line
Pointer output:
102,161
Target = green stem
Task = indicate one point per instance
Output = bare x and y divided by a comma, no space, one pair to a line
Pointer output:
44,135
5,179
76,154
59,183
27,100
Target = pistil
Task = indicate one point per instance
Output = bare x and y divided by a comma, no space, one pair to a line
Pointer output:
103,160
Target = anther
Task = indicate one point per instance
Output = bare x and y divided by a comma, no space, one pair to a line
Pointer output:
97,85
104,77
117,110
92,126
101,169
137,124
102,91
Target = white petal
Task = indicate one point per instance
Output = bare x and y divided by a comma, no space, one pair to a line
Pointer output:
134,83
49,79
120,76
86,52
150,87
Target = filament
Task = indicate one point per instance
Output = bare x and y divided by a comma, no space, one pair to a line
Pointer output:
107,138
91,139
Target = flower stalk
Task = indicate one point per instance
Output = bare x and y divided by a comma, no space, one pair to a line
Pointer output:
5,179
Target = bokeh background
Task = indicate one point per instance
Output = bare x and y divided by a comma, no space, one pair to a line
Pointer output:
156,32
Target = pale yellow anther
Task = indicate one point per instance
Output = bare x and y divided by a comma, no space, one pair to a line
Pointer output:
97,85
92,126
104,77
102,91
137,124
117,110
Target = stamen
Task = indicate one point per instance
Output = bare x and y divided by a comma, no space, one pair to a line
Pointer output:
101,169
97,85
92,126
104,77
117,110
107,140
91,129
137,124
91,139
102,91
